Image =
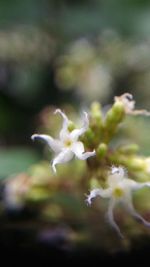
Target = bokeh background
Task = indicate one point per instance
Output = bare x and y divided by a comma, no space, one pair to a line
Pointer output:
58,53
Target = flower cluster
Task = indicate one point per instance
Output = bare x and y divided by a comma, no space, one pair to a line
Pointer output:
91,143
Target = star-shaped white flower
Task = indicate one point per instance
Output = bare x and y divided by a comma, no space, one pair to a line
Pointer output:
129,105
67,145
119,189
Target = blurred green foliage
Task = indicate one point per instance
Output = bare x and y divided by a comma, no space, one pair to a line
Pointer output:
16,160
71,18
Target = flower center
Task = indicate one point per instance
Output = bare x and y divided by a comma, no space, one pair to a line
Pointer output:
68,143
118,192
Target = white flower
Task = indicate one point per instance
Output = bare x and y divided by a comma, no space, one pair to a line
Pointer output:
119,190
129,105
67,145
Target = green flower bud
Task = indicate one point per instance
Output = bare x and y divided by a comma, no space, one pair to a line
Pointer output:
102,150
96,112
129,149
94,183
88,138
71,126
136,163
115,115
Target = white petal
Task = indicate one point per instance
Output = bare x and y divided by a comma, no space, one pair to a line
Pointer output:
104,193
120,171
116,176
127,101
78,150
62,157
78,147
136,185
141,112
54,144
110,216
77,132
134,213
64,130
86,155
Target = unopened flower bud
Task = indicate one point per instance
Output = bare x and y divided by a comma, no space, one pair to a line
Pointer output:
96,111
102,150
128,149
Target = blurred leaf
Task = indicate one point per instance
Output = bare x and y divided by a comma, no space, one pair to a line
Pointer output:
29,11
16,160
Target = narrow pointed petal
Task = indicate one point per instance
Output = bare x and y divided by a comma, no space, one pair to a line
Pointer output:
62,157
86,155
77,132
134,213
137,185
104,193
64,130
120,171
78,150
110,217
54,144
140,112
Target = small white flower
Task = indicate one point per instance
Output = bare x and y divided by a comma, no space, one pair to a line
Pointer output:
129,105
119,189
67,145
